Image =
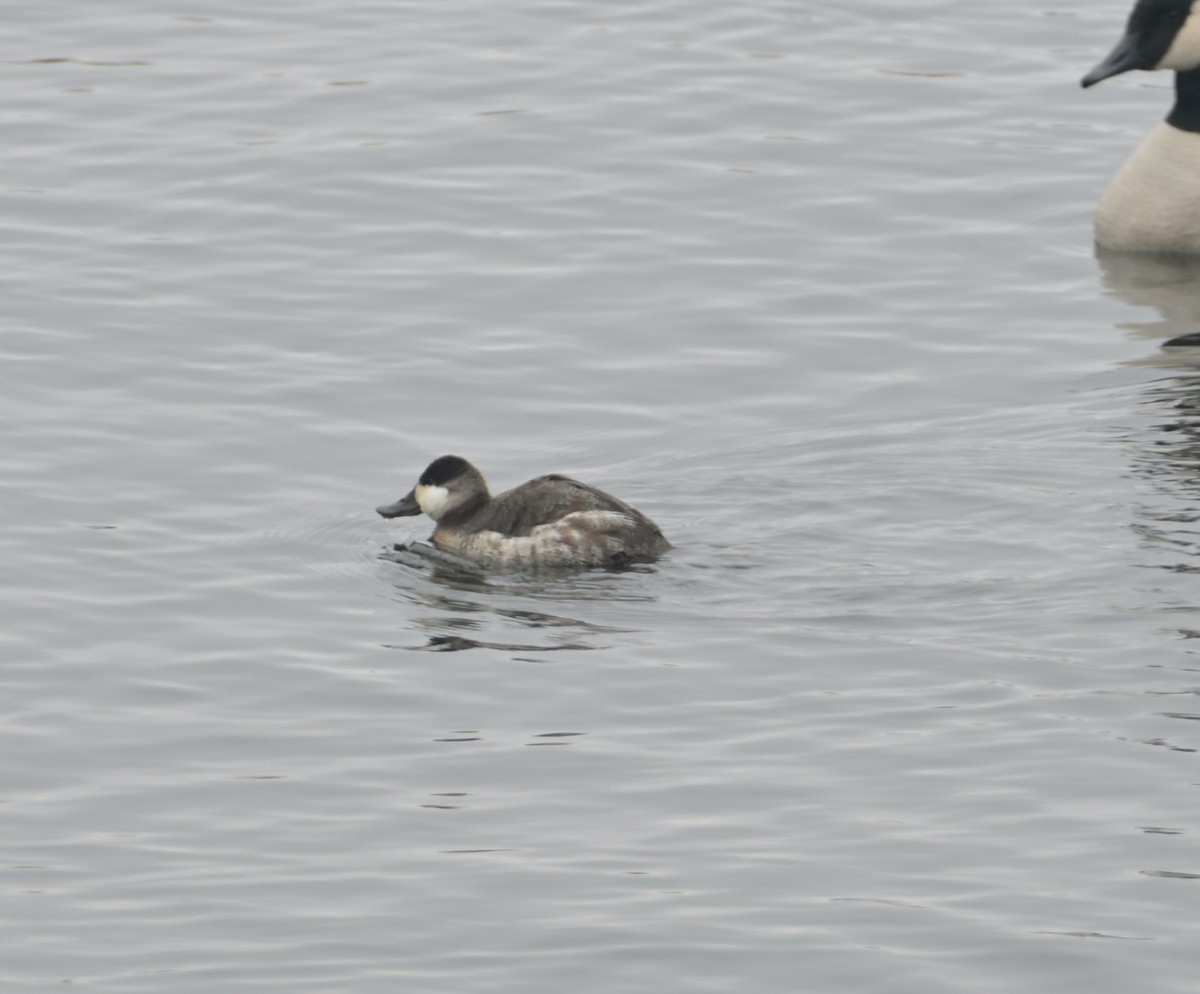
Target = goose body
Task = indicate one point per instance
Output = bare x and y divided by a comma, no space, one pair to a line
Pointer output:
548,521
1153,203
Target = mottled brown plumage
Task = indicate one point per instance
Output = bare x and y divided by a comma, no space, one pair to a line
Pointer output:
549,521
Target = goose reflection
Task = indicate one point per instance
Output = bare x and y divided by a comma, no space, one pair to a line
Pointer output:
1168,283
1167,451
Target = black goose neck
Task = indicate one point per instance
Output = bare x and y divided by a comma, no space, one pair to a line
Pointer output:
1185,115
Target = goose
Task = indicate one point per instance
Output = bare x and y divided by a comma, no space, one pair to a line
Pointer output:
1153,203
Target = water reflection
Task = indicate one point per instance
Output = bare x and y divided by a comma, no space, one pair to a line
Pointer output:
463,607
457,643
461,574
1169,284
1166,442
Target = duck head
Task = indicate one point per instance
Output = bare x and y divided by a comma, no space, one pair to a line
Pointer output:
449,484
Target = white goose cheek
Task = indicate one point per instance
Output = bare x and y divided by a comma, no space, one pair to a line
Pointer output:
431,500
1184,52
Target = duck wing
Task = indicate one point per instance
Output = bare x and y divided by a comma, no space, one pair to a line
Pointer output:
543,501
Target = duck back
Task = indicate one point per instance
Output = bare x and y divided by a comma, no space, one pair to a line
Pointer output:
544,500
554,521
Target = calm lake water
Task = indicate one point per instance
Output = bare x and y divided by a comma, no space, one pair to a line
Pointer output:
911,707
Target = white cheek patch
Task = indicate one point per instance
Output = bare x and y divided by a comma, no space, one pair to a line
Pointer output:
431,500
1184,52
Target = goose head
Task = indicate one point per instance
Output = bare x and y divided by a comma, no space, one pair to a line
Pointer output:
1160,34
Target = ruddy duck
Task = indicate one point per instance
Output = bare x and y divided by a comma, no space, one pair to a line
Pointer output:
1153,203
549,521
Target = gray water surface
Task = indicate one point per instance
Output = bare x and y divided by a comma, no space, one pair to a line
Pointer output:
911,706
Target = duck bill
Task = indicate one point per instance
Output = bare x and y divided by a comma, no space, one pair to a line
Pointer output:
405,507
1121,59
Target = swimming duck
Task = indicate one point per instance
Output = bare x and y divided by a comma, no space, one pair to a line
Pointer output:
1153,203
549,521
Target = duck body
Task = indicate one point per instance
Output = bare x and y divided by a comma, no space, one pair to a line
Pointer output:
548,521
1153,203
